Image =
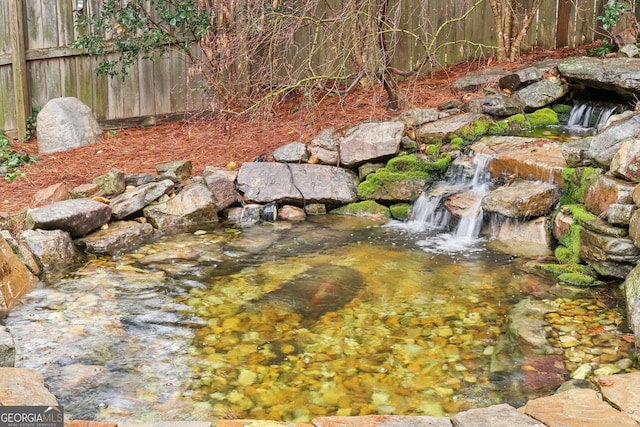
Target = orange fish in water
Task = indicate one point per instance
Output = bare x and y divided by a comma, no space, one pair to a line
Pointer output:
324,290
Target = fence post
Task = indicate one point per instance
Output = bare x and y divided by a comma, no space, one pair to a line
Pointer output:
19,66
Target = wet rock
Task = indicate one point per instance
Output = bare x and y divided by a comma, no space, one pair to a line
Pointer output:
15,278
296,152
324,147
600,226
604,145
622,391
544,373
382,421
619,215
265,182
291,213
625,163
118,238
65,123
496,416
518,157
111,183
192,208
176,171
632,295
575,153
526,238
370,142
134,201
316,291
21,250
634,227
606,191
576,407
223,190
7,348
24,387
522,199
53,249
76,216
600,247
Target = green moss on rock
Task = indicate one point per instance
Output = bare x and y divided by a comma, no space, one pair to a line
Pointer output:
385,181
577,182
542,117
367,208
400,211
412,163
456,144
476,129
577,279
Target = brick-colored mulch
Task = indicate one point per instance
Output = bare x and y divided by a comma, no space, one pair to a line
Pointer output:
218,140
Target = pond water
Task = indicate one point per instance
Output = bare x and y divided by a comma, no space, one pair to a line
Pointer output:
290,321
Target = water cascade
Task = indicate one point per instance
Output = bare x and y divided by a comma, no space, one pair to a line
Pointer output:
591,114
458,196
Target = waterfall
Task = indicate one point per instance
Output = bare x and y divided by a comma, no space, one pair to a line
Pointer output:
590,114
467,181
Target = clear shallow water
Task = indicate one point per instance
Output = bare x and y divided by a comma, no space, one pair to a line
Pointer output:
180,329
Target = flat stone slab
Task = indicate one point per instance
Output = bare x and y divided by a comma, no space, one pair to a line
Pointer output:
382,421
24,387
576,407
530,158
495,416
622,391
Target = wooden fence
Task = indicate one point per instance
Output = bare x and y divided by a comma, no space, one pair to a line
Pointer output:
37,63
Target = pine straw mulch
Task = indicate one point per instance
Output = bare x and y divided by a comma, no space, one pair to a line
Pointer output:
217,141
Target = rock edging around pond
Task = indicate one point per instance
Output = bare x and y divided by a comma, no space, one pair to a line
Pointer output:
373,169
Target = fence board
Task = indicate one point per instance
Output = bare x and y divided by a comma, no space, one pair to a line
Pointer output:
167,85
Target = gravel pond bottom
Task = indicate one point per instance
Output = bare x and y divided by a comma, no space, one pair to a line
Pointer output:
291,321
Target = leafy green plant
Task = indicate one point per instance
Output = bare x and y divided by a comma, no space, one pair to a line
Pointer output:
613,10
32,122
11,160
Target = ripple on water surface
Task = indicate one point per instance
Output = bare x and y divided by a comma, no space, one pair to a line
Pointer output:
283,322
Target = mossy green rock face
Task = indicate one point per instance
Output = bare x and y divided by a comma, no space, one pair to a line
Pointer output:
542,117
400,211
416,163
367,208
393,186
402,179
577,181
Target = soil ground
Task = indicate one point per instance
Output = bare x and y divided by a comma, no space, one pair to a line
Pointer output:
217,141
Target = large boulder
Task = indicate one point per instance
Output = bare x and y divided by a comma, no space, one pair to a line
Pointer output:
263,182
119,237
192,208
523,199
620,75
65,123
15,278
24,387
53,249
77,216
370,142
135,200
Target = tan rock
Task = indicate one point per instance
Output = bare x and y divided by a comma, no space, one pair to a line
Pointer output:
15,278
622,391
51,194
24,387
576,407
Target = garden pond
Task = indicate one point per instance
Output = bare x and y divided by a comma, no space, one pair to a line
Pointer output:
290,321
